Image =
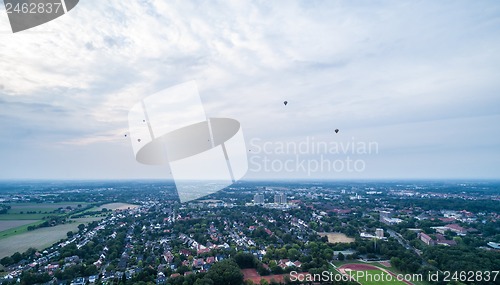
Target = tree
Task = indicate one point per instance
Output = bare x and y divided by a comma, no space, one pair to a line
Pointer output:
81,227
6,261
396,262
293,254
362,250
245,260
204,281
16,257
225,272
340,256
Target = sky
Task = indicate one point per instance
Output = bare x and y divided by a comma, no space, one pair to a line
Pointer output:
417,81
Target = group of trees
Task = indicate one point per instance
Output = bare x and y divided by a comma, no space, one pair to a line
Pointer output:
462,258
4,209
17,257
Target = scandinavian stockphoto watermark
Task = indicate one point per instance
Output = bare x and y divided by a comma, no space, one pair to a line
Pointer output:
310,156
26,14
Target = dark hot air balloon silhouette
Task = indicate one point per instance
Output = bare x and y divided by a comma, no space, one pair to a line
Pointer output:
286,102
336,130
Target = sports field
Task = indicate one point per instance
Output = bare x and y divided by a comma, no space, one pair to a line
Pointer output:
366,274
337,237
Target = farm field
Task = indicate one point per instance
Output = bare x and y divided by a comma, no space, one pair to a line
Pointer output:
337,237
36,211
40,238
17,217
43,208
9,224
115,206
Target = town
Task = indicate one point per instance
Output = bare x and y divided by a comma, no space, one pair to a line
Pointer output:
260,231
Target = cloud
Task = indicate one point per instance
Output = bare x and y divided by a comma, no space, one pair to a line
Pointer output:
339,64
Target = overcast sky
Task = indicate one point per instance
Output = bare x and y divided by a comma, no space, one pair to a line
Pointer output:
420,79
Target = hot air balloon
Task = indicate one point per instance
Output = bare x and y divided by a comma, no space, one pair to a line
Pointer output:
336,130
286,102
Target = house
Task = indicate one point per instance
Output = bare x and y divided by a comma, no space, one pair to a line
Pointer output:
283,263
161,279
169,257
426,239
78,281
457,229
185,252
198,263
441,240
93,278
494,245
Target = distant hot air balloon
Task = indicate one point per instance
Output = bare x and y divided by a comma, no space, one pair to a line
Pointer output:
139,140
286,102
336,130
125,135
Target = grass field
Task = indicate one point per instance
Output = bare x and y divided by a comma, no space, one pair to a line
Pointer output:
17,230
40,238
374,277
17,217
42,208
36,211
372,269
9,224
395,270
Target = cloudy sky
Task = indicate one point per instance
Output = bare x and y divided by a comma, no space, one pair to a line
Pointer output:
420,79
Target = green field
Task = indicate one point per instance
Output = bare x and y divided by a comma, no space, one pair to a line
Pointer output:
41,208
32,214
375,277
414,280
8,217
17,230
396,271
39,238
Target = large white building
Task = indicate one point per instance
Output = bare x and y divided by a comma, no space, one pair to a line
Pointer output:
280,198
258,199
379,233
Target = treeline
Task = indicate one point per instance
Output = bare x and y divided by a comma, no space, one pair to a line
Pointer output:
89,213
462,258
49,222
475,206
17,257
4,209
